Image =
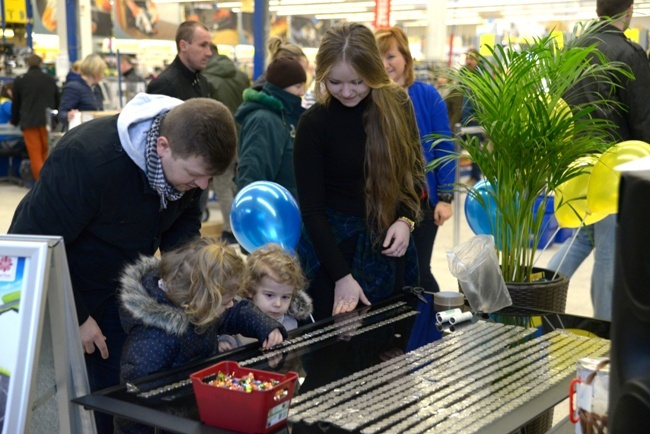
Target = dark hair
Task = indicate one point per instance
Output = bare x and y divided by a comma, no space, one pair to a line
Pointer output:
214,49
202,127
33,60
612,8
185,32
5,89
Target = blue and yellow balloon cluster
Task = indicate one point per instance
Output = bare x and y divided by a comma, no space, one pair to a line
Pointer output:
586,198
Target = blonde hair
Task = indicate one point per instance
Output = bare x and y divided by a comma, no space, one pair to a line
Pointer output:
279,49
394,165
385,39
272,262
198,275
93,66
76,66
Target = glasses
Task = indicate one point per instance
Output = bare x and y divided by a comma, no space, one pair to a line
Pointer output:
417,291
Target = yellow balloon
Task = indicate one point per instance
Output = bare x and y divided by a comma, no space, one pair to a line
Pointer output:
570,203
602,194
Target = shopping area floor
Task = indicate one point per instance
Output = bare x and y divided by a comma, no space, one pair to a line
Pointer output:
578,303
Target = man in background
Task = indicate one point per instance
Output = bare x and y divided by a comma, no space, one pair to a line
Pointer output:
228,84
467,111
133,83
182,79
631,116
34,93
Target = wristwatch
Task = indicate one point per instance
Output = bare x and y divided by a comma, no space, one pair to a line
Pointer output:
408,221
445,197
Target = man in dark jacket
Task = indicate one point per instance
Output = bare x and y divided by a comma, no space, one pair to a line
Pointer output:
228,84
182,79
34,92
120,187
227,81
133,83
631,116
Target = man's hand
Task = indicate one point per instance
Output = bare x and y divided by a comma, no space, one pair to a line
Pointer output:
91,337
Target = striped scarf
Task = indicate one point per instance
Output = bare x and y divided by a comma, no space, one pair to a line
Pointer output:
155,174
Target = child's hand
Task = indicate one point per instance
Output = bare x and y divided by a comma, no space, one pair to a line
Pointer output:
274,338
225,346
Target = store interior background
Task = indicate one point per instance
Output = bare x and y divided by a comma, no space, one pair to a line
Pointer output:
440,31
304,22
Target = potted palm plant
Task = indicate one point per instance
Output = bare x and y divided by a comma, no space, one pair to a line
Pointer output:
533,134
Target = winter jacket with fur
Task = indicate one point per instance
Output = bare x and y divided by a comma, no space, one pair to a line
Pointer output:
160,335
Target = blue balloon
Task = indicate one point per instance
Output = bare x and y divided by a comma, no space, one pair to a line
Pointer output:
265,212
480,208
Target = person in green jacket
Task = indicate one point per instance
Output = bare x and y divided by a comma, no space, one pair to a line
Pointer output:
268,120
227,85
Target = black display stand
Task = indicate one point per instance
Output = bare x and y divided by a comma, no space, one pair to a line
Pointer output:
381,333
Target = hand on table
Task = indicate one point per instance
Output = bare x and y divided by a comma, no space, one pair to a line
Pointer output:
274,338
347,294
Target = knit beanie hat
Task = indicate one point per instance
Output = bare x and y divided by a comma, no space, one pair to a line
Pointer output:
285,72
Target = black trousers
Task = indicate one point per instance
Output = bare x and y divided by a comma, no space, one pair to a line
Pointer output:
424,236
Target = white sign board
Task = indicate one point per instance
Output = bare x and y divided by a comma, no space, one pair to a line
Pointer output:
38,379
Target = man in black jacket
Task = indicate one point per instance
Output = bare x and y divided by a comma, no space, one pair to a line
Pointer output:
631,118
120,187
132,82
182,79
34,92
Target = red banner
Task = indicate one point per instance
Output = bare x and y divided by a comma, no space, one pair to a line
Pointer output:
382,14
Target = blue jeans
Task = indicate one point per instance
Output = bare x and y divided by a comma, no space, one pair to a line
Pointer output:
600,236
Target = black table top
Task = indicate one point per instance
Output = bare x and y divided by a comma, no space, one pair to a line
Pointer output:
389,365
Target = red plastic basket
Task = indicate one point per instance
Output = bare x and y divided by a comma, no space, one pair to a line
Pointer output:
259,411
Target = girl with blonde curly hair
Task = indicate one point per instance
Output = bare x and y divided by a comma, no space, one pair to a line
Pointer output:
174,308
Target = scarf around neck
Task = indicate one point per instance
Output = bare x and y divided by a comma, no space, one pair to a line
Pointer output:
154,172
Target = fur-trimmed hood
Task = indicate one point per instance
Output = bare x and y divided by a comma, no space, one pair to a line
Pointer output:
301,306
143,302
